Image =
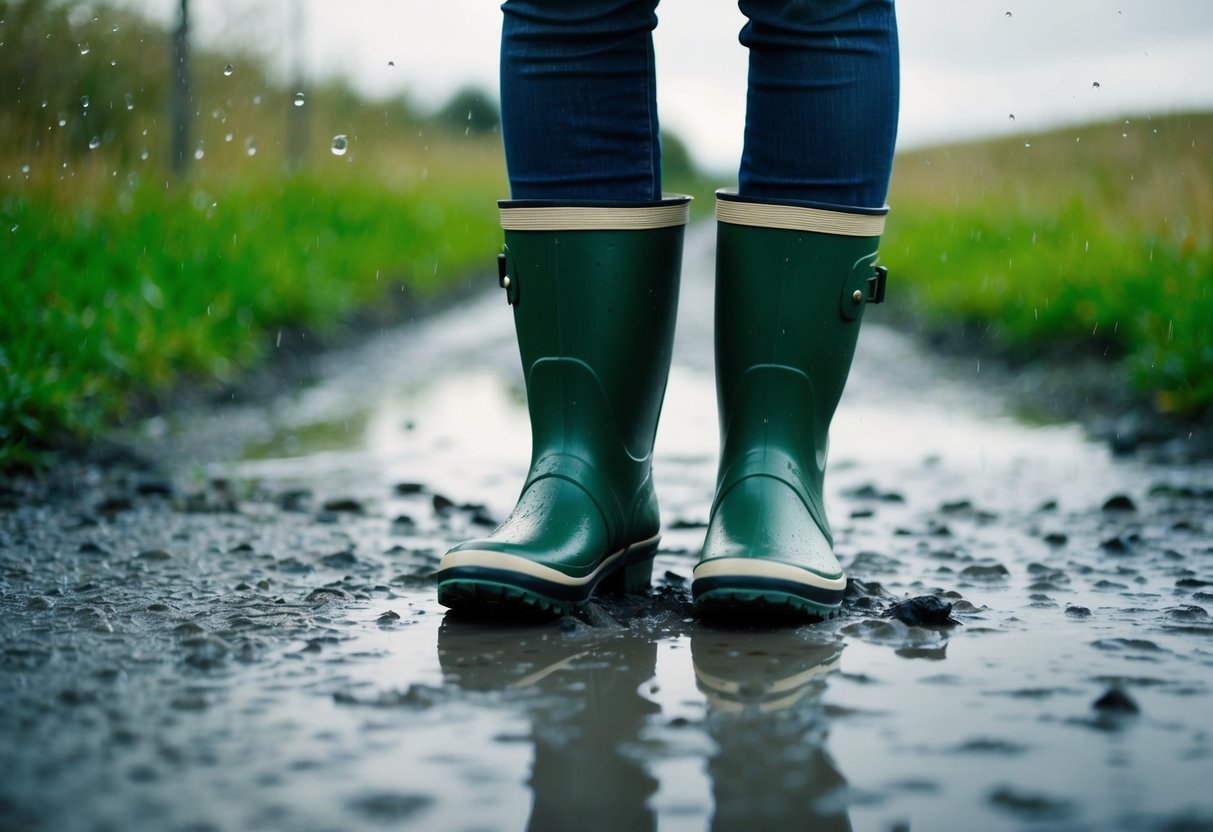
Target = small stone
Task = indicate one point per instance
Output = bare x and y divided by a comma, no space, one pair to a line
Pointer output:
404,489
154,488
347,505
295,499
956,507
1077,612
985,572
154,555
340,560
90,548
924,610
114,505
324,594
1118,545
442,505
1116,700
1056,538
1119,502
388,617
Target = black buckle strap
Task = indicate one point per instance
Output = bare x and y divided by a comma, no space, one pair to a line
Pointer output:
876,284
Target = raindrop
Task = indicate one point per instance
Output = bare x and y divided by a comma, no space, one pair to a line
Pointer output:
1011,116
84,101
299,99
130,101
391,63
1095,85
25,168
94,143
115,29
1027,144
1008,14
144,154
469,115
44,103
228,70
84,48
62,120
256,99
113,61
340,144
1124,135
199,152
228,137
250,146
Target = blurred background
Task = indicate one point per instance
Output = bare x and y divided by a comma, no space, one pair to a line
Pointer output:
188,188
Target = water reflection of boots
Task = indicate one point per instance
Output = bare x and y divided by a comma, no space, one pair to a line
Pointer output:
763,692
581,693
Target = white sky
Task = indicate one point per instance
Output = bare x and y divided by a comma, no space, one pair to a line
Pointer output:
966,66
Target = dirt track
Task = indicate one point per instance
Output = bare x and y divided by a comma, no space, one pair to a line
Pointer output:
251,639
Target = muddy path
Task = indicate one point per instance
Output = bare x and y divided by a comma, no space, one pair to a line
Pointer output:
251,640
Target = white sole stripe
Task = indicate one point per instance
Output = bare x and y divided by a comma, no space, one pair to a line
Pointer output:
765,568
489,559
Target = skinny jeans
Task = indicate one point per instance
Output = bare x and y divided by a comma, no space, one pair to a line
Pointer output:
579,102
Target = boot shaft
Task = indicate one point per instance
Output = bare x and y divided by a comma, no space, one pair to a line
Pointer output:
594,311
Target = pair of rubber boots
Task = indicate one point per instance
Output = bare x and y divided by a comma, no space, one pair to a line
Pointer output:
594,288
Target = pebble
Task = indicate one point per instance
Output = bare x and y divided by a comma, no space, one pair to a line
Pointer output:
1119,502
924,610
154,555
346,505
1116,700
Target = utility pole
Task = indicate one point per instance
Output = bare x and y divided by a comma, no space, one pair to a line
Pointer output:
180,151
297,115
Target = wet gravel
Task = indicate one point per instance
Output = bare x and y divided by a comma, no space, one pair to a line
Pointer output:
246,637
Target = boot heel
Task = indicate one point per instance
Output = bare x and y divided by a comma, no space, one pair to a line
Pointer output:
633,579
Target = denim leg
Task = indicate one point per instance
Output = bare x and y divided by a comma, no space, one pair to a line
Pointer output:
578,99
821,115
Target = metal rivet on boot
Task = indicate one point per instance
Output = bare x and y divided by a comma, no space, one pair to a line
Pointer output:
505,283
857,297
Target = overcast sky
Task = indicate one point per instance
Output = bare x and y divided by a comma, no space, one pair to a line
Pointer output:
966,66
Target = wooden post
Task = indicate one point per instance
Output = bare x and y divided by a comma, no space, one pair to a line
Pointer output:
181,103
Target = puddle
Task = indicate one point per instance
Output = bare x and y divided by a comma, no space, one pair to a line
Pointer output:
287,666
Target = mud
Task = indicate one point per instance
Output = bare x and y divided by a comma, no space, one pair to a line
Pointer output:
247,637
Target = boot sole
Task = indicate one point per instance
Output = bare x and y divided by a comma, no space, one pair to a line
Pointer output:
493,590
757,604
748,594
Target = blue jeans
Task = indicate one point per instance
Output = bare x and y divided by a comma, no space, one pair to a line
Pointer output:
579,104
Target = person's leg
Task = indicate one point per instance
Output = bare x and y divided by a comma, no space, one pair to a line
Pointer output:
821,115
591,268
578,99
795,267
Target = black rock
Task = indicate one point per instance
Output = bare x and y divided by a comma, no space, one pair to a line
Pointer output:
1077,612
1056,538
344,504
295,499
154,488
340,560
1116,700
406,488
443,505
1118,545
923,611
1119,502
114,505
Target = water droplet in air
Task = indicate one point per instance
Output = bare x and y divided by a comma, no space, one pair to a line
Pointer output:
1011,116
229,69
144,154
340,144
130,101
1124,135
299,99
115,29
84,48
94,143
391,63
228,137
1008,14
250,146
256,99
199,152
62,120
1094,85
84,101
25,168
1027,144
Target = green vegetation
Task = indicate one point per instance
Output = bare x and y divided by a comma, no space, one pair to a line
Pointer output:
1096,239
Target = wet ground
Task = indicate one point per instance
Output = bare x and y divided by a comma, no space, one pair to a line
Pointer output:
249,639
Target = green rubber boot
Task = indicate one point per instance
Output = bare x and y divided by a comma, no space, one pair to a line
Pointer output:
791,285
594,288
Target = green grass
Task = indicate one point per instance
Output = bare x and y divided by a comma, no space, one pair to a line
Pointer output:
1096,239
115,289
